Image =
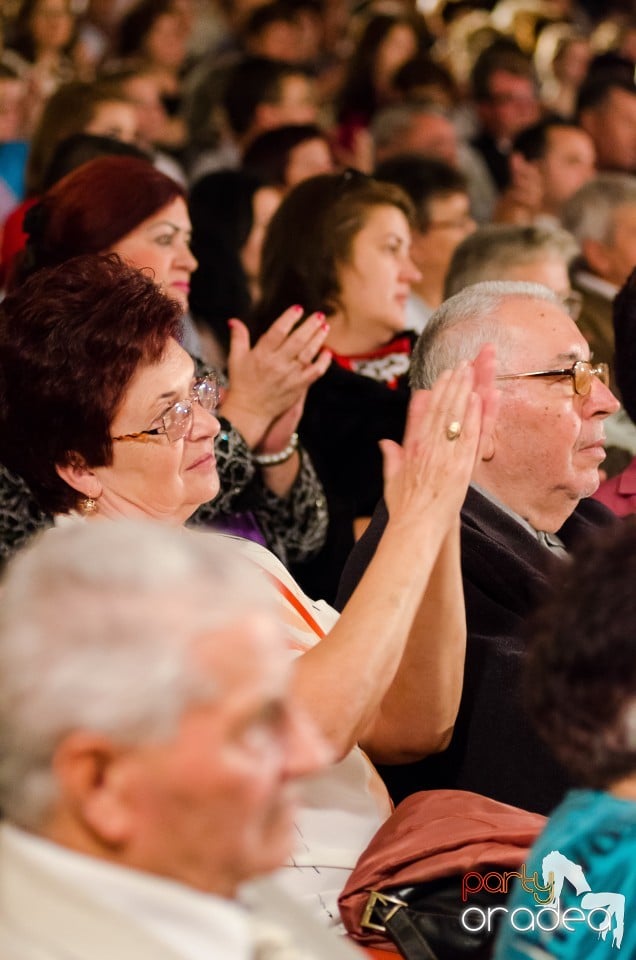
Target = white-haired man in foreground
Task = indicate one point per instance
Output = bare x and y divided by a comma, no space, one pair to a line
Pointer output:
148,748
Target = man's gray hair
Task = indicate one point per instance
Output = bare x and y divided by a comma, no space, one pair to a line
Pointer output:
97,625
589,213
491,251
460,327
392,123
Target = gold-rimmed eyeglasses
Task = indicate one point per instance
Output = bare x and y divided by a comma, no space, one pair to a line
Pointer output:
176,421
582,374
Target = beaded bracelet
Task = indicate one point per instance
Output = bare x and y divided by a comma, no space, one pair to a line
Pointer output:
273,459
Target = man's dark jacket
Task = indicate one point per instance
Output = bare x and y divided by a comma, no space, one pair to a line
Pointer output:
505,569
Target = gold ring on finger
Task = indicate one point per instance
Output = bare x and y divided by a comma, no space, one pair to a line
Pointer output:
453,430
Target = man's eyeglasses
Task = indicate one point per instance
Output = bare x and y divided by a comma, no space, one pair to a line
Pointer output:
582,374
176,421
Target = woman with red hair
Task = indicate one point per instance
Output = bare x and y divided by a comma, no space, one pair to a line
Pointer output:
269,489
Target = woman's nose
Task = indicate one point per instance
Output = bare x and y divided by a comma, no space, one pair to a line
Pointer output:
410,271
187,259
204,422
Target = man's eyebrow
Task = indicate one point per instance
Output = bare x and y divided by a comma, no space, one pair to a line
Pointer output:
572,355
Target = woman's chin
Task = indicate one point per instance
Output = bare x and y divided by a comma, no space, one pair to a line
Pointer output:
180,294
212,490
196,498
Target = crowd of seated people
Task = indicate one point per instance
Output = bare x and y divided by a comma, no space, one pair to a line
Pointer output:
126,206
230,211
342,242
114,423
337,286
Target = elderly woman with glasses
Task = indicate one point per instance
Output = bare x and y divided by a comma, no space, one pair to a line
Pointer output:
104,417
269,489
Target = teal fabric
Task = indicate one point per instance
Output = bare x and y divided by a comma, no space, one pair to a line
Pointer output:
13,158
597,831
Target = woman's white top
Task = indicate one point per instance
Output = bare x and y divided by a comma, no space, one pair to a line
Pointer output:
343,807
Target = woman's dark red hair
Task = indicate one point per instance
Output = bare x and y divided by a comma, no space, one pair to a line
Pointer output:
92,208
71,339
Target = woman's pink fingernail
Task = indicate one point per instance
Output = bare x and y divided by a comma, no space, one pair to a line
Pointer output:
324,326
297,308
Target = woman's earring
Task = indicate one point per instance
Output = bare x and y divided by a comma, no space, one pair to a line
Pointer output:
87,506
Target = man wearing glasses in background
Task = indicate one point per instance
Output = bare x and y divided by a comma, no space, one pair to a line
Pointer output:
525,507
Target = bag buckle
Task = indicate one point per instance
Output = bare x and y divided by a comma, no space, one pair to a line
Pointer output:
375,898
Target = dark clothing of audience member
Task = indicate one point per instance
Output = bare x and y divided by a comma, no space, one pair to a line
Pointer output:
320,252
496,159
345,416
506,102
494,749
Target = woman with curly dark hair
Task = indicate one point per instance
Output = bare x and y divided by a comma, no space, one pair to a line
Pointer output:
581,692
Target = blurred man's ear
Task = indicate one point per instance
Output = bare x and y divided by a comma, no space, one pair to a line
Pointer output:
92,787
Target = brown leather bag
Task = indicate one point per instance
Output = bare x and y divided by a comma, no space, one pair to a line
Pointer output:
405,892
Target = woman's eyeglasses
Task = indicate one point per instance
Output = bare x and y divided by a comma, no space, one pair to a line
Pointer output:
582,373
176,421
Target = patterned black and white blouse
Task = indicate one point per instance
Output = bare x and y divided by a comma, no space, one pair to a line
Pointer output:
293,527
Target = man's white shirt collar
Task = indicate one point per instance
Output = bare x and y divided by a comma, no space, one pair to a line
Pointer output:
198,926
589,281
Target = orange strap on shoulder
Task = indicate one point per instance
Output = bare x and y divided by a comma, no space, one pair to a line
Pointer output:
297,605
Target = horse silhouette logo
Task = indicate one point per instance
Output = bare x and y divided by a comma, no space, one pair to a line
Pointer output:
557,869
